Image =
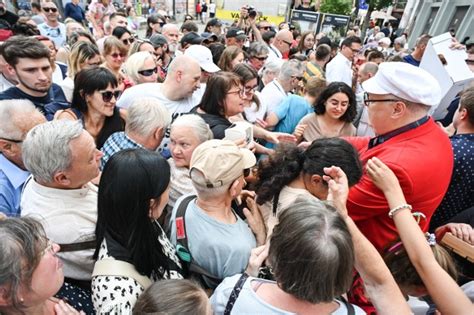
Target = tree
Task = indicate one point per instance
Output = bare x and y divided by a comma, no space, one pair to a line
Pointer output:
342,7
373,5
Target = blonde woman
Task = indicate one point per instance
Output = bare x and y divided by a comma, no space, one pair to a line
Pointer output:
83,55
141,68
115,54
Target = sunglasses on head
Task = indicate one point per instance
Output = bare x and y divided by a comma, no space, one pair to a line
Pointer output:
128,41
116,55
108,95
54,10
148,72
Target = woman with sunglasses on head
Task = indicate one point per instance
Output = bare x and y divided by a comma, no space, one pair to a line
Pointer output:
93,102
115,54
141,68
30,272
83,55
334,111
124,35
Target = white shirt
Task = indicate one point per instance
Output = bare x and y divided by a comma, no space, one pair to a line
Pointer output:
274,55
272,95
68,216
212,8
252,112
4,83
67,85
339,70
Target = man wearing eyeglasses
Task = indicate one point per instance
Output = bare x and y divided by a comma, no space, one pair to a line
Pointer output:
339,69
52,28
17,118
398,99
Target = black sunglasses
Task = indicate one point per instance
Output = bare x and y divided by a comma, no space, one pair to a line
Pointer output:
54,10
261,58
297,77
128,41
148,72
108,95
266,28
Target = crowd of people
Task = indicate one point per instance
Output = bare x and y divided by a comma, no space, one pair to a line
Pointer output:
248,169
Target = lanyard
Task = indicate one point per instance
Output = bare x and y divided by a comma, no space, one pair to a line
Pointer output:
381,139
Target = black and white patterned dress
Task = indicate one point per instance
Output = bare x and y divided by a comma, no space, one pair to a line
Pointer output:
118,295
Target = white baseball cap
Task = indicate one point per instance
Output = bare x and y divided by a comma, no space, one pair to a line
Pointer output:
405,81
203,56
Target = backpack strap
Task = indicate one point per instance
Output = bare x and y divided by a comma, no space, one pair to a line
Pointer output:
119,268
74,247
182,247
349,306
235,293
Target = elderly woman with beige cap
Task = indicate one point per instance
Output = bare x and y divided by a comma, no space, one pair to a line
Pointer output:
219,240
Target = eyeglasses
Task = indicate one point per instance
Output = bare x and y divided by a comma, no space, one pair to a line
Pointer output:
148,72
128,41
241,92
288,43
367,101
249,91
266,28
299,78
12,140
263,58
54,10
108,95
116,55
49,248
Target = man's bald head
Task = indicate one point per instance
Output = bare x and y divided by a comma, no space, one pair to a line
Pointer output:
367,71
184,74
283,40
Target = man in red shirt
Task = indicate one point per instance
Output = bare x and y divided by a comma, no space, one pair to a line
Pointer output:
398,99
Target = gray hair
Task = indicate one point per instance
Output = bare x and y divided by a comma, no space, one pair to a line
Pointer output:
257,49
145,115
16,117
400,41
311,251
46,149
271,66
199,127
379,36
20,249
200,184
291,68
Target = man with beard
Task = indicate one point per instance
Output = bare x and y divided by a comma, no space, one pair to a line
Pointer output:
29,59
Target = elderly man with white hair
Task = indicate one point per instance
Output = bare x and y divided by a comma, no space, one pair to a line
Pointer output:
17,118
147,122
289,78
398,99
63,159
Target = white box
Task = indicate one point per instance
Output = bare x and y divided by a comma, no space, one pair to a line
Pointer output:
453,77
240,130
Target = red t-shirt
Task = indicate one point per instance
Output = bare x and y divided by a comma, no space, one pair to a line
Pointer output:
422,160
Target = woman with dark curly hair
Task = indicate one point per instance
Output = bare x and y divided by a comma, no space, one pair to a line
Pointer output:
292,171
334,111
